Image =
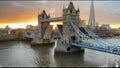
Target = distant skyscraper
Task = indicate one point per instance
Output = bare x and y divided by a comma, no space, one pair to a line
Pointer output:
92,23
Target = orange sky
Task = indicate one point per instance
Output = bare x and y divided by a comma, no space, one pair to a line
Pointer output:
18,14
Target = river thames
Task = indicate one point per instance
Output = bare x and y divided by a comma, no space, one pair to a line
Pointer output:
21,54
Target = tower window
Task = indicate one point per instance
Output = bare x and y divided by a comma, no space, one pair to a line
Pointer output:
42,16
76,12
70,11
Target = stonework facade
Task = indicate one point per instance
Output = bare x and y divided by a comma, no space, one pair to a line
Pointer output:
69,13
66,30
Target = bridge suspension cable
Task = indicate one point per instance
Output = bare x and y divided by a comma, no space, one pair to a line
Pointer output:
85,37
92,43
96,37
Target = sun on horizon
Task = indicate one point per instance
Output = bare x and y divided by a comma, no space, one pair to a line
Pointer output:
35,23
23,25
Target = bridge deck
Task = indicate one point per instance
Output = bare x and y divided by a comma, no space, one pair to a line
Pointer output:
107,50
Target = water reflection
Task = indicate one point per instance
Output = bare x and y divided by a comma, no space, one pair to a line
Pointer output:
22,54
69,60
44,56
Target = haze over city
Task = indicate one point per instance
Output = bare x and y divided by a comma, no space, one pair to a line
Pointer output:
18,14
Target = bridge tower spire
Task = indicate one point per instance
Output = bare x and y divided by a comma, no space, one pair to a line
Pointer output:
92,22
70,13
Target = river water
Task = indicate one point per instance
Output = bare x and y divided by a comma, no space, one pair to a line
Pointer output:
21,54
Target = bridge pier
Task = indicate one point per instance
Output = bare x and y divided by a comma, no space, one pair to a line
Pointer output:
63,48
42,41
68,33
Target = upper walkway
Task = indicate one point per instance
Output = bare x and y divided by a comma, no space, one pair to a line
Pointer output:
53,19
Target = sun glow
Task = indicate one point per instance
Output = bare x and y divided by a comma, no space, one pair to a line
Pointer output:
54,25
17,26
34,23
115,26
14,26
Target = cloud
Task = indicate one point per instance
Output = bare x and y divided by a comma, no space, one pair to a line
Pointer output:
26,11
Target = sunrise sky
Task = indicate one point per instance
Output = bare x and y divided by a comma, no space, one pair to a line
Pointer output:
18,14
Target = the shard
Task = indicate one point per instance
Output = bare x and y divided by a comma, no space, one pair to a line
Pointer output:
92,23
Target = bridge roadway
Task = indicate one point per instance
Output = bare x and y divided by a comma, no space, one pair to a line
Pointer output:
115,51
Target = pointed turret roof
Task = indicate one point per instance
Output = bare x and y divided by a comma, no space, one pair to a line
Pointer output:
78,9
71,6
43,13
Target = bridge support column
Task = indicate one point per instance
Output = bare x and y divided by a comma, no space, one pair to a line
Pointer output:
63,48
45,30
69,13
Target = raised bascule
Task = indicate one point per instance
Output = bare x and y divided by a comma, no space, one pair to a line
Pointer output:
74,35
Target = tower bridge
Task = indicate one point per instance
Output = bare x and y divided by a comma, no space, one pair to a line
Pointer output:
75,36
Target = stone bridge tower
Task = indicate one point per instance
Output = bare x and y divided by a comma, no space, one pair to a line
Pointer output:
45,29
43,25
68,33
70,13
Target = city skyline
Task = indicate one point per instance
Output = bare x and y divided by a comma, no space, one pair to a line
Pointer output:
22,13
